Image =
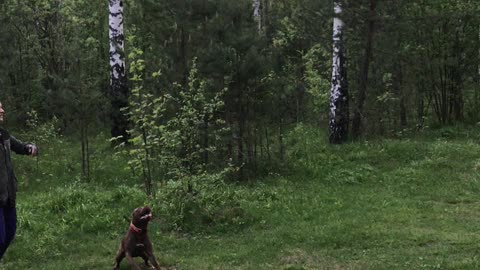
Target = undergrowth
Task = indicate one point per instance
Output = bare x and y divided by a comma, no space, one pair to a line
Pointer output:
409,203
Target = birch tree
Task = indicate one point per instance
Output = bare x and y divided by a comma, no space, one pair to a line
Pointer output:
339,113
118,79
257,15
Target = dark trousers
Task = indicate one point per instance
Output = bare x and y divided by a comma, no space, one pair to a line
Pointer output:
8,226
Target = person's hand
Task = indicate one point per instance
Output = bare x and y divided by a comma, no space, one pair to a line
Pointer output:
32,150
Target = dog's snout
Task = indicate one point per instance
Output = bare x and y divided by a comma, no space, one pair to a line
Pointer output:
147,216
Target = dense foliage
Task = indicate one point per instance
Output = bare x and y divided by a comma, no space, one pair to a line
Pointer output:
231,83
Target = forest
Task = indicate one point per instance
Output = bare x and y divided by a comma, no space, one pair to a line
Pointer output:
264,134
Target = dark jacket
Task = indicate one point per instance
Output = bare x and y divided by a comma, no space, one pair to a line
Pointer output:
8,181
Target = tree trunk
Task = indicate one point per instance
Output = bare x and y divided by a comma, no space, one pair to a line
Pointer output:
457,79
147,173
84,159
205,141
118,79
267,145
280,141
397,87
240,156
182,61
240,136
249,137
255,153
362,90
265,7
181,64
476,95
339,112
257,14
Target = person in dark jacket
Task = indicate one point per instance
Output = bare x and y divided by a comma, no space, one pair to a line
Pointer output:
8,183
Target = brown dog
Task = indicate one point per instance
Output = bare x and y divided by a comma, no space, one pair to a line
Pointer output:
136,242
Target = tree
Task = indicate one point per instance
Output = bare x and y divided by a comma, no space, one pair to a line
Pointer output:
361,94
339,112
118,80
257,16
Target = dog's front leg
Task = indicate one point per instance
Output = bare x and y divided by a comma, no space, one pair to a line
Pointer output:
145,259
118,258
130,260
153,261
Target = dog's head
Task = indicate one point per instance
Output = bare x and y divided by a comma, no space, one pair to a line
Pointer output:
141,216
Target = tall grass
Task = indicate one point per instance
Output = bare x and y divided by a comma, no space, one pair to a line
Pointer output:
409,203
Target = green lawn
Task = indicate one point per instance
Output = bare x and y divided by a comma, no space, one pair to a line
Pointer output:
409,203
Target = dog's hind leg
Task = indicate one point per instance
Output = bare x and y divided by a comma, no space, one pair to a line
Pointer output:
145,259
153,261
130,260
119,258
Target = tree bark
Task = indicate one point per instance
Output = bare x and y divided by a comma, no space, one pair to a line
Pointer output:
118,80
362,90
339,111
457,79
206,142
281,142
84,124
257,14
398,89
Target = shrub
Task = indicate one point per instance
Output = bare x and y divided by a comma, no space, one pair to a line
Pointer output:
200,200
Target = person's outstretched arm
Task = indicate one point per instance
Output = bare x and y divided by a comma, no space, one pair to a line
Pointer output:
22,148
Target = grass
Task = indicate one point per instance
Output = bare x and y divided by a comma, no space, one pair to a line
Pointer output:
408,203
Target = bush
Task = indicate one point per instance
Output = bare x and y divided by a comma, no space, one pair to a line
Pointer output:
201,200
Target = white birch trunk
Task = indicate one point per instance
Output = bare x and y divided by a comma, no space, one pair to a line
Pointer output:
339,113
117,38
257,15
118,80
